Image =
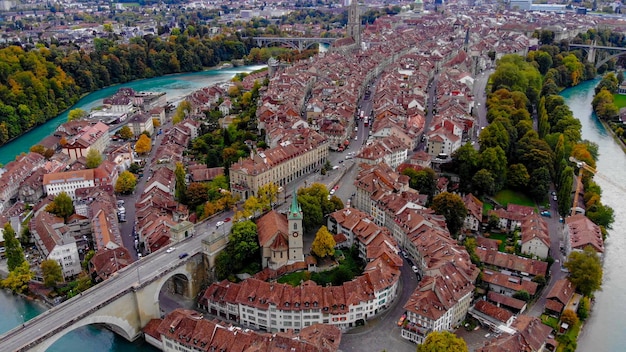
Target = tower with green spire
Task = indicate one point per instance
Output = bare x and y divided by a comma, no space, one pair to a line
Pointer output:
294,218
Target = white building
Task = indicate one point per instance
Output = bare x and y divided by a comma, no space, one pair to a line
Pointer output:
68,182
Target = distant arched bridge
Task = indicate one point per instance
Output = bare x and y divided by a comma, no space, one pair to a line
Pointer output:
296,43
592,48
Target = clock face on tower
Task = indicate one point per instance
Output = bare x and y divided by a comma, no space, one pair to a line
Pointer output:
295,234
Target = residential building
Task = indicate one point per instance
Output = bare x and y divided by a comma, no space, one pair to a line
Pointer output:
580,232
54,241
389,150
531,335
107,262
492,316
375,181
140,123
474,213
187,330
13,175
560,295
91,137
302,151
520,266
68,182
271,306
512,217
439,303
535,237
508,285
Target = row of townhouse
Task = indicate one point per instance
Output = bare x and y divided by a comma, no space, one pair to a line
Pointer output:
186,330
279,307
389,150
300,152
447,274
13,174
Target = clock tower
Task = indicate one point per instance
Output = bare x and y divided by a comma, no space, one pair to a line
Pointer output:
296,231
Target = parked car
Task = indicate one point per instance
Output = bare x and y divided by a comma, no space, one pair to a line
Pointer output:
219,223
546,214
401,320
171,249
414,268
227,220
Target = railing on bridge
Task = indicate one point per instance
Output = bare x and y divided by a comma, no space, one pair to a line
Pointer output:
297,43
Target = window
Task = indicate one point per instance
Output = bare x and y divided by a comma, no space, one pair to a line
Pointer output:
295,225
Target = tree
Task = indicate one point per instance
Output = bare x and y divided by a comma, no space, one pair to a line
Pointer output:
583,308
585,270
143,145
324,243
61,206
518,177
243,242
268,195
452,207
539,184
52,273
196,194
438,341
94,158
181,183
483,182
522,295
76,114
18,279
569,317
125,183
14,251
126,133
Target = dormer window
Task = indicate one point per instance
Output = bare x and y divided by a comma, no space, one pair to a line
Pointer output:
286,304
306,304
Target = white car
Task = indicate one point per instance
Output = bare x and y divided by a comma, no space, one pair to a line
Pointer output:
170,250
219,223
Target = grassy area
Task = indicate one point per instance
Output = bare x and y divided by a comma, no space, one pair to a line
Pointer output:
507,196
550,321
499,236
347,269
619,100
567,341
294,279
486,207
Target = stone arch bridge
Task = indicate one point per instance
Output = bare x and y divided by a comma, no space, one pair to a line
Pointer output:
126,302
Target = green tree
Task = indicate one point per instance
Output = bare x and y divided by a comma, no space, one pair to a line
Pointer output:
483,182
76,114
324,243
13,249
52,273
539,184
522,295
517,178
93,158
18,279
181,183
583,308
61,206
88,256
196,194
243,243
182,110
125,183
452,207
438,341
585,270
465,164
126,133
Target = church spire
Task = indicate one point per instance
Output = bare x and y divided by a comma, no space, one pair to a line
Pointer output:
294,209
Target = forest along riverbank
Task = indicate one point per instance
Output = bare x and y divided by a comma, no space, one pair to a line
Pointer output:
603,330
176,86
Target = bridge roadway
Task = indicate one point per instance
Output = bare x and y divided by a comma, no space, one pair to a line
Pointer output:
597,47
136,275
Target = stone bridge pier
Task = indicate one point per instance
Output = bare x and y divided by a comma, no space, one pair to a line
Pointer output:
129,311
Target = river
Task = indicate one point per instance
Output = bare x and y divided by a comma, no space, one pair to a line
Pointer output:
13,309
177,86
605,329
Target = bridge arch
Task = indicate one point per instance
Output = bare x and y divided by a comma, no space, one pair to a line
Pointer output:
119,325
607,59
179,274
